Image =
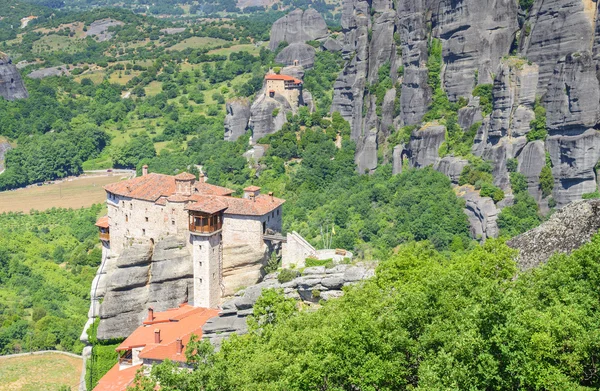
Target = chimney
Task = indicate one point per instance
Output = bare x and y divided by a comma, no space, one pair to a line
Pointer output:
251,192
150,314
156,335
202,178
179,346
271,196
144,170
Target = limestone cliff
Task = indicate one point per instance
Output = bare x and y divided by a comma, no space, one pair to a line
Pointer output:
298,27
11,84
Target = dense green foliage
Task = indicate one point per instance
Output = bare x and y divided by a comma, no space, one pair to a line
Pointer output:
319,79
484,92
523,214
479,174
538,125
47,263
425,322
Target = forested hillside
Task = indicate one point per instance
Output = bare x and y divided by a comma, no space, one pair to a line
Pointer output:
47,263
427,321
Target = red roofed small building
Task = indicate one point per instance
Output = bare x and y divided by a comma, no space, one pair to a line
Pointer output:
287,86
163,335
215,225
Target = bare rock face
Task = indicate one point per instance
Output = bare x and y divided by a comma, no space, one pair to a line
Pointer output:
298,27
481,212
99,29
4,147
451,167
327,282
267,115
531,161
398,155
11,84
573,161
475,34
366,159
558,28
297,54
242,265
424,145
236,120
567,230
143,276
573,96
296,71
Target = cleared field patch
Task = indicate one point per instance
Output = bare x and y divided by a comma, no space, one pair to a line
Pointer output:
95,76
121,77
197,42
55,42
44,372
77,193
250,48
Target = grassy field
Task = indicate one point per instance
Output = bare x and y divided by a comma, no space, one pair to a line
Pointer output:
250,48
197,42
46,372
55,42
74,194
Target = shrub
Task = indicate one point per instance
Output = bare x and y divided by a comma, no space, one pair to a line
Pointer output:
484,92
590,196
287,275
546,181
512,164
311,262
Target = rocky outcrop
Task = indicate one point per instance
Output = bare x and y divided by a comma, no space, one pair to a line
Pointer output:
475,35
42,73
567,230
573,161
531,161
236,120
297,54
11,84
99,29
298,27
242,266
424,145
555,29
315,284
451,167
267,115
4,147
481,212
366,158
143,276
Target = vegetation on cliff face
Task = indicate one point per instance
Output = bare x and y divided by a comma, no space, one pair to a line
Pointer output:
47,263
427,321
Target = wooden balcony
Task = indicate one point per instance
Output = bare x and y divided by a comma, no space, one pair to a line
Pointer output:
202,224
104,236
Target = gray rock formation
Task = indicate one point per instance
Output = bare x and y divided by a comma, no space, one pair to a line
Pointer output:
424,145
567,230
327,282
475,35
4,147
451,167
297,54
11,84
366,158
332,45
573,160
143,276
296,71
531,161
481,212
557,28
573,98
398,154
267,115
60,70
99,29
471,114
298,27
236,120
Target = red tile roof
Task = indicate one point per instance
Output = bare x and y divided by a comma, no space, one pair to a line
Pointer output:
252,188
207,204
153,186
102,222
260,206
178,323
116,379
274,76
185,176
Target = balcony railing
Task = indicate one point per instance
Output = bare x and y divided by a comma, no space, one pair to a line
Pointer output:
205,228
104,236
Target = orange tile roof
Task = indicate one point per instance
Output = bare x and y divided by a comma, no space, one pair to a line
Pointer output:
260,206
274,76
207,204
102,222
185,176
153,186
252,188
178,323
116,379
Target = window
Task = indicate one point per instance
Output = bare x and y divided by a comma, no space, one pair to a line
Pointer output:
131,205
146,219
126,218
200,280
143,232
277,212
200,263
172,222
199,247
272,214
